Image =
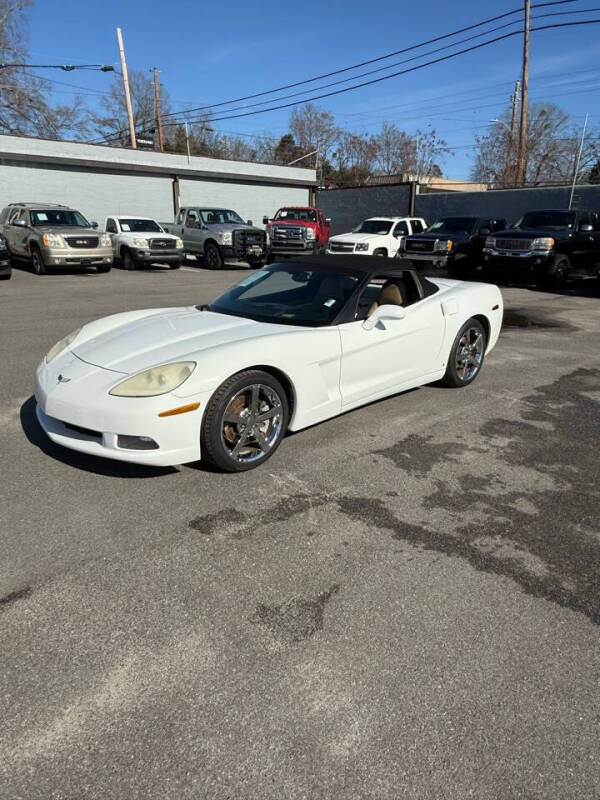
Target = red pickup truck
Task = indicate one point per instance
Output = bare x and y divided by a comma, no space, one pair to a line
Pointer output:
297,229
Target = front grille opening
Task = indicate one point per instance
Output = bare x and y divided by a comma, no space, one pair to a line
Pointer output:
82,242
83,431
136,442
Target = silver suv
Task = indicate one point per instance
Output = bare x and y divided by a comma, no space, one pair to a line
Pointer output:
51,235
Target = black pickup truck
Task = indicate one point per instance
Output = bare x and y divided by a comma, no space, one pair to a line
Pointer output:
545,246
452,243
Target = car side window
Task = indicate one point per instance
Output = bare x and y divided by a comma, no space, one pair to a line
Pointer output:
404,281
111,226
191,219
13,214
595,220
180,217
416,225
401,229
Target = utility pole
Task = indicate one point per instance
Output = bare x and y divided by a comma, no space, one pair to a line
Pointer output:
126,87
578,159
511,139
521,164
158,114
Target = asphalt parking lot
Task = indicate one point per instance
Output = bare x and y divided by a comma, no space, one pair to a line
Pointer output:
404,602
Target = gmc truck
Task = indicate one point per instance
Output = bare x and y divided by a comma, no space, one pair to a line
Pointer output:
297,230
546,245
219,235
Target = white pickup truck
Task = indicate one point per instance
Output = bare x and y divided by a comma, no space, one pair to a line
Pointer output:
141,240
377,236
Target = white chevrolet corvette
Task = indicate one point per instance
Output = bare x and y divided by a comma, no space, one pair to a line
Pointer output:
287,347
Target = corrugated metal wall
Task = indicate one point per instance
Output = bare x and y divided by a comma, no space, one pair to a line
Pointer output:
348,207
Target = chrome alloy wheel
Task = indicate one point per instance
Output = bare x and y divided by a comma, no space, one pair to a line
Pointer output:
469,354
251,424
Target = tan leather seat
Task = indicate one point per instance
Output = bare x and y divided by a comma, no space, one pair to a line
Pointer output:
390,295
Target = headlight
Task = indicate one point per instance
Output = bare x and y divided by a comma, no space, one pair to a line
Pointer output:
53,240
362,246
138,242
155,381
60,346
490,241
443,245
543,243
105,240
310,233
225,237
179,244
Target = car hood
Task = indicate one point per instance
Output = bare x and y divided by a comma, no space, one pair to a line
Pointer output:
530,233
456,237
166,336
356,237
307,223
68,230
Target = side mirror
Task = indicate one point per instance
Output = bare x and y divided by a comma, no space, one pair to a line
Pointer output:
265,220
585,228
249,222
383,313
327,220
484,231
19,223
94,224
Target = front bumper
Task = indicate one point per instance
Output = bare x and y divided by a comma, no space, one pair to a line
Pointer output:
440,260
70,257
521,260
293,247
80,414
159,256
228,253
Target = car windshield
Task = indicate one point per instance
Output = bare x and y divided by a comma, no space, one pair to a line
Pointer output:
547,220
220,216
289,295
55,217
377,226
301,214
453,225
139,226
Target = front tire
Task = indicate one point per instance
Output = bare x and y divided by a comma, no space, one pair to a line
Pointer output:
37,262
556,273
103,268
212,256
127,261
466,356
380,251
245,421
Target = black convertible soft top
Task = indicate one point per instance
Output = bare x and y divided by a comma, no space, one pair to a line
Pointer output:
349,264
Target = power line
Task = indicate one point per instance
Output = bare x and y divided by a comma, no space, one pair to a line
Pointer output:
65,67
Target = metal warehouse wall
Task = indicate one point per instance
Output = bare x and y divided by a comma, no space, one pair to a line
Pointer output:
101,180
250,201
96,194
348,207
507,203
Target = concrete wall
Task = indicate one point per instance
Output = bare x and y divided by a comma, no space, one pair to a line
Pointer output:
348,207
100,180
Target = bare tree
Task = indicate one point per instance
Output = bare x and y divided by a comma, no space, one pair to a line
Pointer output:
24,106
395,150
550,151
313,129
355,157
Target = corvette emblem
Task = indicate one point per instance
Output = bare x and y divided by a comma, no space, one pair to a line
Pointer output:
62,379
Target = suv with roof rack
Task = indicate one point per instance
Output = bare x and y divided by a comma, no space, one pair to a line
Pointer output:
51,235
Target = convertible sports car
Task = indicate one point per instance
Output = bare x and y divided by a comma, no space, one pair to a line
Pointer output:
289,346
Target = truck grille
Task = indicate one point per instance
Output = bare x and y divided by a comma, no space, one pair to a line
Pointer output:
80,242
286,233
162,244
244,240
341,247
419,245
513,244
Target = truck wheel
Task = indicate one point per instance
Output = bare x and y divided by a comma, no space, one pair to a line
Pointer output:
212,256
556,273
37,262
380,251
174,266
103,267
126,260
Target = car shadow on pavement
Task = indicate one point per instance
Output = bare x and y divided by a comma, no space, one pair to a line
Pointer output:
95,464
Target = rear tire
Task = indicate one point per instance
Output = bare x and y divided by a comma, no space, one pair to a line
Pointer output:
37,262
245,421
212,256
466,355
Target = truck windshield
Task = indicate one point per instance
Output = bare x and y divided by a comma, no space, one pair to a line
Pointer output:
289,295
547,220
220,216
453,225
140,226
55,216
300,214
377,226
